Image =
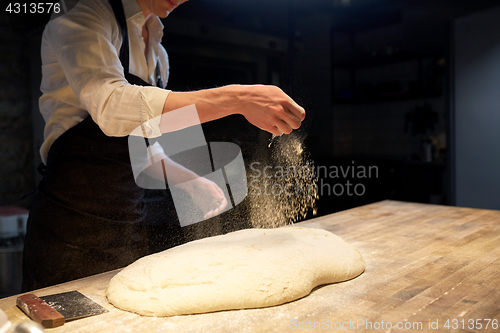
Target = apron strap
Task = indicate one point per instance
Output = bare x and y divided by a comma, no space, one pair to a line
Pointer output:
159,82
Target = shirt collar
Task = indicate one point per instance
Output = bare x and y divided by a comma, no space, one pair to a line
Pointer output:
134,12
156,28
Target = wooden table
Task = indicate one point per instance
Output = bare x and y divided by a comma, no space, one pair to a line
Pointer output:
425,265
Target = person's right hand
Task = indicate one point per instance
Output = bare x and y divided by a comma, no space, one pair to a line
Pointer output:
268,108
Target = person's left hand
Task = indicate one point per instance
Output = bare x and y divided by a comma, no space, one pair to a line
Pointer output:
207,196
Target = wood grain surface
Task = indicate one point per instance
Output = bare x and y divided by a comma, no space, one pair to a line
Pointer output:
425,265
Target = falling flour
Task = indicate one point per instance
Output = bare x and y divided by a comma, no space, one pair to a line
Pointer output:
281,199
290,193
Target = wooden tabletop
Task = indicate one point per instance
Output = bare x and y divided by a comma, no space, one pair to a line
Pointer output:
425,265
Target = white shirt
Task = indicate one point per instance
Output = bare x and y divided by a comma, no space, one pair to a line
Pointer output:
82,73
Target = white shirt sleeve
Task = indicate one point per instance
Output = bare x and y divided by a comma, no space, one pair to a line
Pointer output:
86,47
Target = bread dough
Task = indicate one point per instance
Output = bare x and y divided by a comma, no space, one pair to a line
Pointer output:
249,268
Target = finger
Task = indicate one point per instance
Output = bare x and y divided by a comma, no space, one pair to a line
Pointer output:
293,108
223,205
288,117
274,130
283,127
208,215
220,208
216,211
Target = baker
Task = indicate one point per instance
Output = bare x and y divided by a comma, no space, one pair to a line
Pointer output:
103,75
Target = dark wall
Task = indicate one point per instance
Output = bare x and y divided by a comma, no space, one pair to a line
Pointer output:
369,73
477,116
16,130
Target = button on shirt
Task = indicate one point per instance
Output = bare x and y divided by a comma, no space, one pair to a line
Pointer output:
82,73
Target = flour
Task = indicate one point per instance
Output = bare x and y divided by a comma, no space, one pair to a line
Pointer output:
297,193
294,200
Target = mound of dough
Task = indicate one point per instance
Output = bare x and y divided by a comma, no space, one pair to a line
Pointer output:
249,268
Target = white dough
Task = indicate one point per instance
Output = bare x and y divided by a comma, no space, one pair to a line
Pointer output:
249,268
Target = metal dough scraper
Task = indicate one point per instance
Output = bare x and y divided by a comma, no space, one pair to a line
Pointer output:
54,310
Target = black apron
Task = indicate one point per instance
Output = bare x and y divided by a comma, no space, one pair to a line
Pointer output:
88,215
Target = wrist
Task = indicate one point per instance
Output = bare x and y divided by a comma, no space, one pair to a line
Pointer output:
226,99
237,98
211,104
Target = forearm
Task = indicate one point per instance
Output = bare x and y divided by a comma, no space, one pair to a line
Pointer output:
211,104
177,174
266,107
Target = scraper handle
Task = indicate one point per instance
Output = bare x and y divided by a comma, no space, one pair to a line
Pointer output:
40,311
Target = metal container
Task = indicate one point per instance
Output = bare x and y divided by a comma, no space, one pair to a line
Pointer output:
11,257
12,230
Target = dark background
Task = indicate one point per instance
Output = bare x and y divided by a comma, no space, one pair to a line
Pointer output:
375,77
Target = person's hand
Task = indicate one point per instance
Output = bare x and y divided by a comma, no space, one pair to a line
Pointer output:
207,196
268,108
